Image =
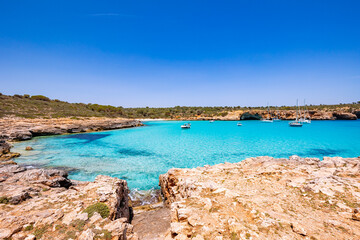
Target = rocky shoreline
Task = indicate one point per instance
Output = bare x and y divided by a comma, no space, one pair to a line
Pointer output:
339,114
20,129
257,198
265,198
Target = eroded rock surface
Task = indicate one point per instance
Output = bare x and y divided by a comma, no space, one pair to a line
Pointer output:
45,204
265,198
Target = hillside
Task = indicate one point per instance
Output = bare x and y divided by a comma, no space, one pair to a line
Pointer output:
38,106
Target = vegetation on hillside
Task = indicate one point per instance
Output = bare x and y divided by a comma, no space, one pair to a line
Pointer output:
37,106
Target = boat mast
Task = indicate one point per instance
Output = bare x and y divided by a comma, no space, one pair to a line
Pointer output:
297,104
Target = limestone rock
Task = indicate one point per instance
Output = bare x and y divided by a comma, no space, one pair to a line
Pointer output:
87,235
265,198
36,201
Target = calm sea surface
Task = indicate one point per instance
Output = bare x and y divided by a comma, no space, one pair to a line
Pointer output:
140,155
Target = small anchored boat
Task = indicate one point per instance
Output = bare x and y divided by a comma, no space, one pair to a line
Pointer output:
186,126
306,118
296,123
211,121
276,118
239,124
268,120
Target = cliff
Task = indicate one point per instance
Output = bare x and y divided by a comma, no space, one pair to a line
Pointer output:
265,198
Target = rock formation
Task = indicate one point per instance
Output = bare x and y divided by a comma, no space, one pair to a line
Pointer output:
24,129
265,198
45,204
345,114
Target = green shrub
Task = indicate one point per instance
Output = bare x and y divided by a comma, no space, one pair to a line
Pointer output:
39,232
26,96
103,234
40,97
29,227
100,208
78,224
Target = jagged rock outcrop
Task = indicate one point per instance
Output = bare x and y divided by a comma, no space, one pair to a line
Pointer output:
265,198
5,154
45,204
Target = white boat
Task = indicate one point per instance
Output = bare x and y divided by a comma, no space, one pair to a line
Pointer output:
276,118
307,121
186,126
239,124
306,118
296,123
267,120
211,121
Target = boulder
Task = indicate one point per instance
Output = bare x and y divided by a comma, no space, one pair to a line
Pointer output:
87,235
4,147
49,177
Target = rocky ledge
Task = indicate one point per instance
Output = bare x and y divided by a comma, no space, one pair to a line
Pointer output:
24,129
265,198
45,204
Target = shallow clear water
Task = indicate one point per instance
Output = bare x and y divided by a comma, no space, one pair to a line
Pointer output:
141,154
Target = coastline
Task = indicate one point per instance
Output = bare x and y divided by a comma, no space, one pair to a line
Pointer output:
20,129
261,198
261,189
240,115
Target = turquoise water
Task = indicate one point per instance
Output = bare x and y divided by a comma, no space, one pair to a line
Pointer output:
141,154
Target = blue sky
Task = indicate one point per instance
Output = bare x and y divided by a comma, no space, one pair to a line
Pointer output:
193,53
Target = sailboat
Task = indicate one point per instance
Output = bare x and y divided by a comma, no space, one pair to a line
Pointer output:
276,118
296,123
306,118
267,120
